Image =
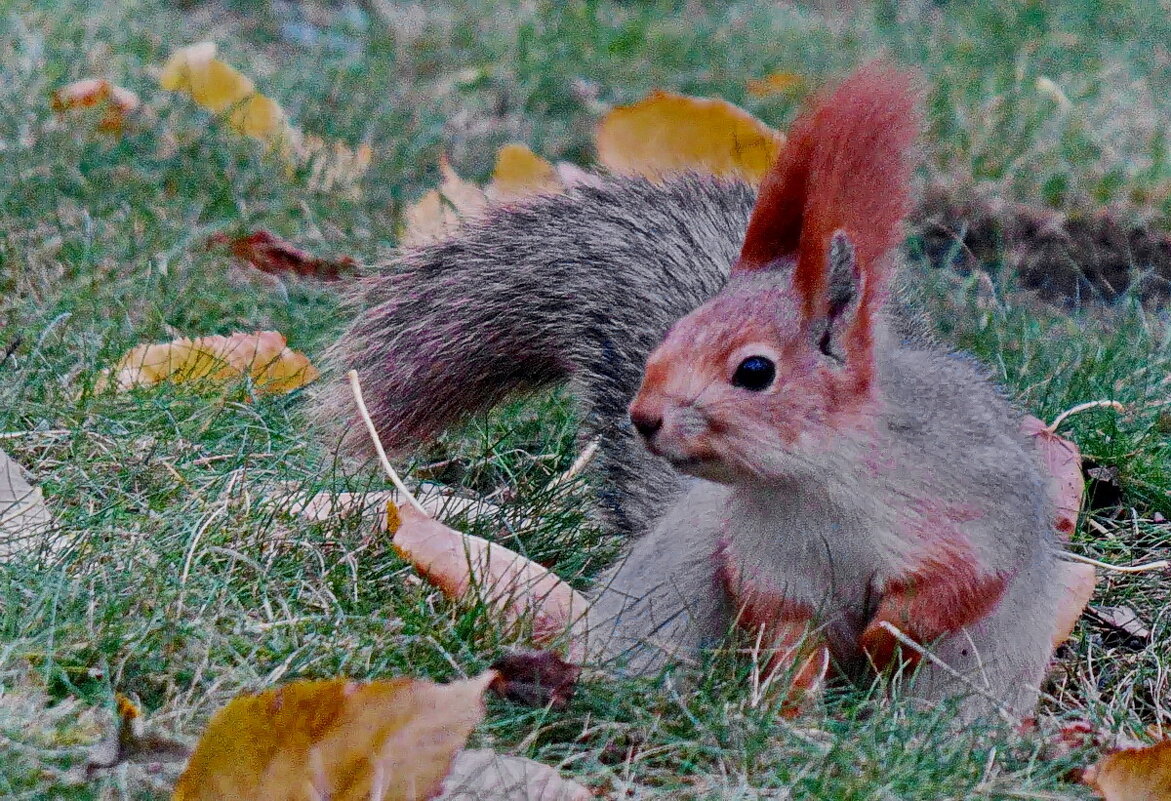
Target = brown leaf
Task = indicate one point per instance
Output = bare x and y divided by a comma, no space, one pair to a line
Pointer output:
1063,465
483,775
94,92
667,133
535,678
264,356
271,254
459,564
1122,620
1134,774
342,740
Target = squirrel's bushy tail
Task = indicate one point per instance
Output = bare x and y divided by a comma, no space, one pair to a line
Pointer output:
577,286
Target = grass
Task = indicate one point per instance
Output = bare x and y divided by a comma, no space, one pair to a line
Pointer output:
182,586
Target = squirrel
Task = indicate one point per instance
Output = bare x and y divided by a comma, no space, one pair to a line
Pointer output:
790,461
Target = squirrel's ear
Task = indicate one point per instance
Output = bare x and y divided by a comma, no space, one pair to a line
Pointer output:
843,292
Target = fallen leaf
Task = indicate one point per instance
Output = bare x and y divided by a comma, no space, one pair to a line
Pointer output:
1123,621
535,678
667,133
1105,485
775,84
1078,580
483,775
1134,774
460,564
211,83
271,254
439,213
1063,465
260,117
25,523
219,88
346,741
264,356
520,172
94,92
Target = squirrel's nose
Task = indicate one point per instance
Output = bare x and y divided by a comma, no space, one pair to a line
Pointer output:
647,424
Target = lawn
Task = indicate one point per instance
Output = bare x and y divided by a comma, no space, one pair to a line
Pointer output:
183,584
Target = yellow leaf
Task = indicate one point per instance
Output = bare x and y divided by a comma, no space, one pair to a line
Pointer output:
211,83
175,74
1134,774
261,118
264,356
519,172
667,132
345,741
775,84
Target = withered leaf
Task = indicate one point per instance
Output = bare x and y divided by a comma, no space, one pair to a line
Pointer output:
337,739
459,564
1134,774
483,775
1123,621
264,356
271,254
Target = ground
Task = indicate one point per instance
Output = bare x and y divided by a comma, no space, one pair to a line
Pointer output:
181,585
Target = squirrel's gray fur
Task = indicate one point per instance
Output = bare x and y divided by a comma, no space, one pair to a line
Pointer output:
579,286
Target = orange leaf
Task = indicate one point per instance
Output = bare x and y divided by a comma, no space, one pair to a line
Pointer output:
93,92
1063,464
459,563
1134,774
667,133
519,172
271,254
775,84
337,739
264,356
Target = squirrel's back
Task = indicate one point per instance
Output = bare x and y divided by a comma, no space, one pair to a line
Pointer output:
579,286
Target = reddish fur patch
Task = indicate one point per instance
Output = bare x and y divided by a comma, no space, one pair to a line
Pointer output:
947,590
784,627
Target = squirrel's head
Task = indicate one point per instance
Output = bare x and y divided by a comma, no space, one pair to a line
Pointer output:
750,386
765,379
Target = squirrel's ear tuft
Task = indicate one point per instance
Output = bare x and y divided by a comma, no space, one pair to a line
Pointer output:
844,275
843,294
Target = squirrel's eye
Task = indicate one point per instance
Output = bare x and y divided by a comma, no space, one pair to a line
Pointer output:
755,373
